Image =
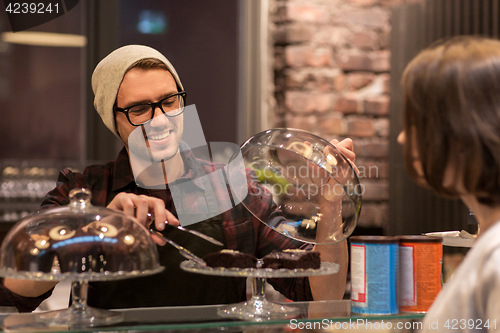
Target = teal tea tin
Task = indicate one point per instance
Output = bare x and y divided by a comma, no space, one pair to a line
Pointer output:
374,274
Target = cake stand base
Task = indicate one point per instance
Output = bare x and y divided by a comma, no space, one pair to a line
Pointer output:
79,318
258,309
79,314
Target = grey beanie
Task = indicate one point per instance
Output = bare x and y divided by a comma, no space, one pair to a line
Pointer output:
109,73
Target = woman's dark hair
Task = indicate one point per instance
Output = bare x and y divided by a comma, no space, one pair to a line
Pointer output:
451,102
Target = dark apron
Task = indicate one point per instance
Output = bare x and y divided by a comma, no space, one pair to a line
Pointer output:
173,286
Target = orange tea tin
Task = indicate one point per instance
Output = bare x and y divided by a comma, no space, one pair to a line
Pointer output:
420,263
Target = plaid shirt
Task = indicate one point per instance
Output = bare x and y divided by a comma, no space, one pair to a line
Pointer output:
243,231
23,304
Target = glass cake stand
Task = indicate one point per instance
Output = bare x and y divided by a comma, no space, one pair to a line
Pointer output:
80,243
258,308
79,314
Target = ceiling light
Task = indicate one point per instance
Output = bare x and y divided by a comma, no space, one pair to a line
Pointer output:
44,39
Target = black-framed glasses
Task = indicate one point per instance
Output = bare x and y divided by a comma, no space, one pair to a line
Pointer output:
141,114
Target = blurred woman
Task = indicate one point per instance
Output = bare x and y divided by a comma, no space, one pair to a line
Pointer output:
451,140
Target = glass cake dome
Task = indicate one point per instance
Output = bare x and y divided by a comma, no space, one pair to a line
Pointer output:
310,191
78,242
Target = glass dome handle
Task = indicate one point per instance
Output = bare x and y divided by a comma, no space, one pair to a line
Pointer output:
79,197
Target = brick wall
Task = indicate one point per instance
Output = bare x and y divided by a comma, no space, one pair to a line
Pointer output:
331,77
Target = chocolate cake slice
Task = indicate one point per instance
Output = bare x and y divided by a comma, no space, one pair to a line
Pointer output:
230,259
292,259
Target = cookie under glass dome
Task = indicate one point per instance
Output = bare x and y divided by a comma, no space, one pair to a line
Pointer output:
78,242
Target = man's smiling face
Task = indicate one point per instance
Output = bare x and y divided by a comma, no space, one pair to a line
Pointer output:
163,134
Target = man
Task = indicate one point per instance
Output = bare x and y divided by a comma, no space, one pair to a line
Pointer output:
138,94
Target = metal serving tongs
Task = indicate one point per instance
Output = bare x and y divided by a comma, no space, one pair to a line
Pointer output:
182,250
194,232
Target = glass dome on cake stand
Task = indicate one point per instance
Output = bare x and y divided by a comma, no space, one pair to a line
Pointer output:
80,243
314,196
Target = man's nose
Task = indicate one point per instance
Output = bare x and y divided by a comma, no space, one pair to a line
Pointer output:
159,119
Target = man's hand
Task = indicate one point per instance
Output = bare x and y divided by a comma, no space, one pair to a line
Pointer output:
346,147
333,189
142,207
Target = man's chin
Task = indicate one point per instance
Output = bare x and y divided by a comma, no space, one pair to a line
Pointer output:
147,155
163,156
